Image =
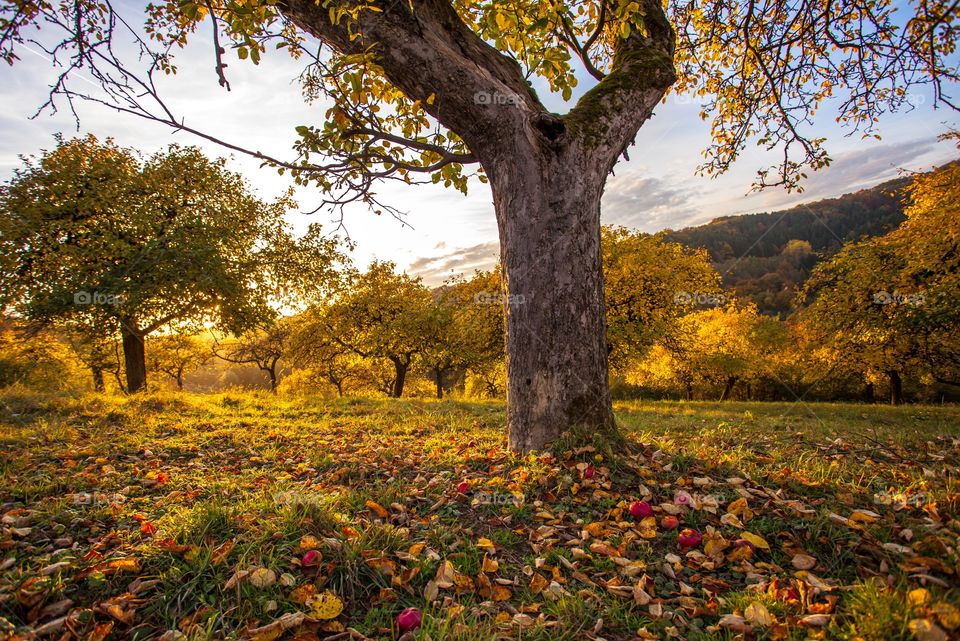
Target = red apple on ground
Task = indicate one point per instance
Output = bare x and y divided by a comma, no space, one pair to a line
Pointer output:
589,472
464,487
409,619
310,559
640,510
669,522
689,538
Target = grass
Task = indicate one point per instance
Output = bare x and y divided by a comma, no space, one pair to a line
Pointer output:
135,517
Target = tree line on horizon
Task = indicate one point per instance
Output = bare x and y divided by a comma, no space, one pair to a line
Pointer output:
119,269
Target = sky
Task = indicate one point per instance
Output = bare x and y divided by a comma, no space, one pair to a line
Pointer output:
443,232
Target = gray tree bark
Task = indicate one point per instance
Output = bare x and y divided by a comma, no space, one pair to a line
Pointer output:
547,173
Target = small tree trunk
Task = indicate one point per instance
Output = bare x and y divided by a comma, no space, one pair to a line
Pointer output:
867,395
896,387
401,370
134,360
728,389
438,372
97,373
272,373
548,213
339,384
689,387
179,378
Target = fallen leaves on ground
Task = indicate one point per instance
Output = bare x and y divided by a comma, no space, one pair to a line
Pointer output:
262,519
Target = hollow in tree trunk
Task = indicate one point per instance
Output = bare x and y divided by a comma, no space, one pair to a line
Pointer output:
134,360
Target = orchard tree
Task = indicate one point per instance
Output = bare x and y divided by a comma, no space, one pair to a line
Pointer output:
648,285
379,314
318,356
889,304
465,327
717,347
177,354
427,90
99,354
91,236
263,347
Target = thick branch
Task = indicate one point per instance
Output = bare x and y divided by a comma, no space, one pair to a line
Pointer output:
608,116
425,49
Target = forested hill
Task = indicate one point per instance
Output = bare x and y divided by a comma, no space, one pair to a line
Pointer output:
764,257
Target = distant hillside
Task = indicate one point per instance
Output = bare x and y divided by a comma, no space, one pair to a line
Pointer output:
764,257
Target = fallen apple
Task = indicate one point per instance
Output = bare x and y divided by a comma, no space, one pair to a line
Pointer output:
311,558
640,510
409,619
464,487
689,538
589,472
669,522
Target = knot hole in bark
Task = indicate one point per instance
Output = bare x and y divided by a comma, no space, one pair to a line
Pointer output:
549,126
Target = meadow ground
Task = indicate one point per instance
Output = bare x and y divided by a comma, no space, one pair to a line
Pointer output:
244,516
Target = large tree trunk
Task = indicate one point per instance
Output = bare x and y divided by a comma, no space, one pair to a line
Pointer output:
134,360
896,387
547,174
548,210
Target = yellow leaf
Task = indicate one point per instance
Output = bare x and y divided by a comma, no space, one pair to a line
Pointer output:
740,509
121,565
757,614
918,597
538,584
463,582
864,516
947,615
303,594
927,630
445,573
757,541
325,605
308,542
490,565
486,545
500,593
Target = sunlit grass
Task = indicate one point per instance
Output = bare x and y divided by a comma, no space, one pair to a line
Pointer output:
262,473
